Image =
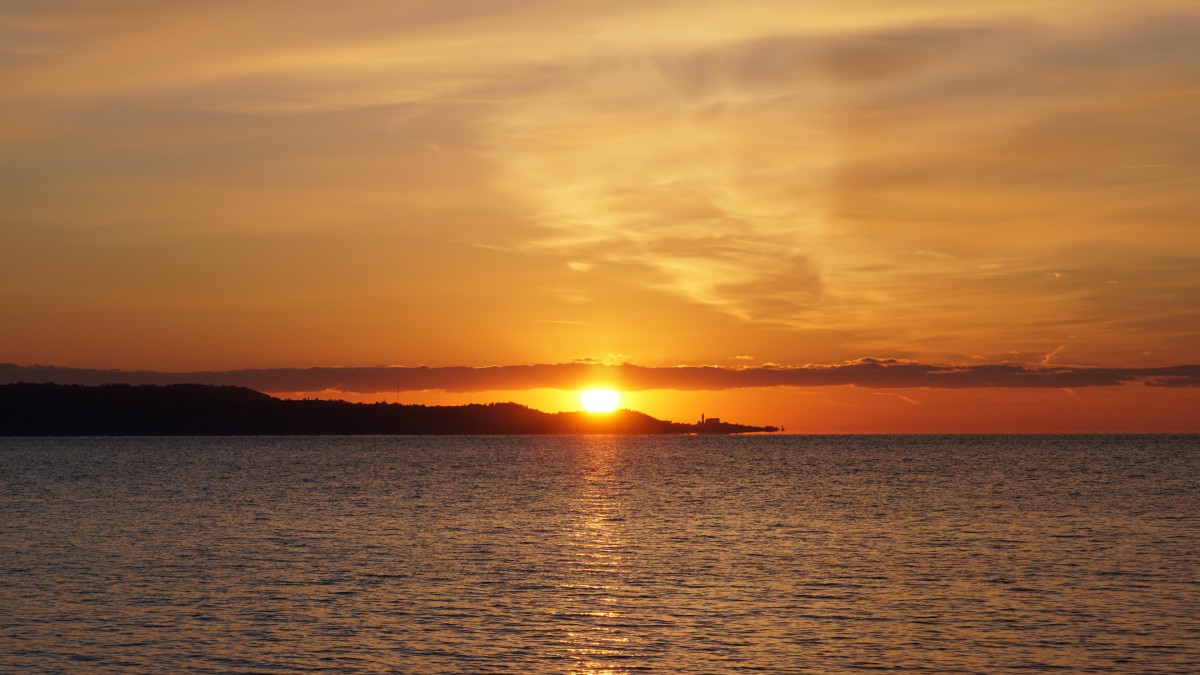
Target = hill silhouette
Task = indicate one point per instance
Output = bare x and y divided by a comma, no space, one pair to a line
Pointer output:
206,410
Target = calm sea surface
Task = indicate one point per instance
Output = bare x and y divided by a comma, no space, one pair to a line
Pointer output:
600,554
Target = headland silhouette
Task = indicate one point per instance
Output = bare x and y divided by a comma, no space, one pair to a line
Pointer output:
208,410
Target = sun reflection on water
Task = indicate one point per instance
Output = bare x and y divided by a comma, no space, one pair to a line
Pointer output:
598,574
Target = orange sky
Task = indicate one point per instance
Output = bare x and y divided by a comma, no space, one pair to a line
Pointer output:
224,185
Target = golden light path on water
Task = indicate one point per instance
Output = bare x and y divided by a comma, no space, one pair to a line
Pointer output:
599,571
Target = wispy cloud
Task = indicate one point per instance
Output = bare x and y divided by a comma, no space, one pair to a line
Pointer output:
812,180
840,176
1057,350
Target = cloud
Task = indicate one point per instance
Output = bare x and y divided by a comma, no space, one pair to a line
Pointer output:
867,176
867,372
838,175
696,172
1057,350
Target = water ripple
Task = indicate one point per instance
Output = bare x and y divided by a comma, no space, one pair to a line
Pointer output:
600,554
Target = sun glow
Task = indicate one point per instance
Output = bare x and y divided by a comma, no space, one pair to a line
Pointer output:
599,400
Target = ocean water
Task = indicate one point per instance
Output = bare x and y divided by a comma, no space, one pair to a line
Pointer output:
600,554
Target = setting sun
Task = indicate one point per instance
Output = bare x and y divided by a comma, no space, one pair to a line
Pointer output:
599,400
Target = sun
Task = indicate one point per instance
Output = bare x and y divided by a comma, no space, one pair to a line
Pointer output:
599,400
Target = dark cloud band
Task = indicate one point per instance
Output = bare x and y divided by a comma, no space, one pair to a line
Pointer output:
869,372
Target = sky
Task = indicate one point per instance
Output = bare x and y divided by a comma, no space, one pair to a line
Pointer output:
773,191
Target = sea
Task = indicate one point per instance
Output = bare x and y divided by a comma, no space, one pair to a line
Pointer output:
600,554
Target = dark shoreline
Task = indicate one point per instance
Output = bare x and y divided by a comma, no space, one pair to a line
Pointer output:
209,410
